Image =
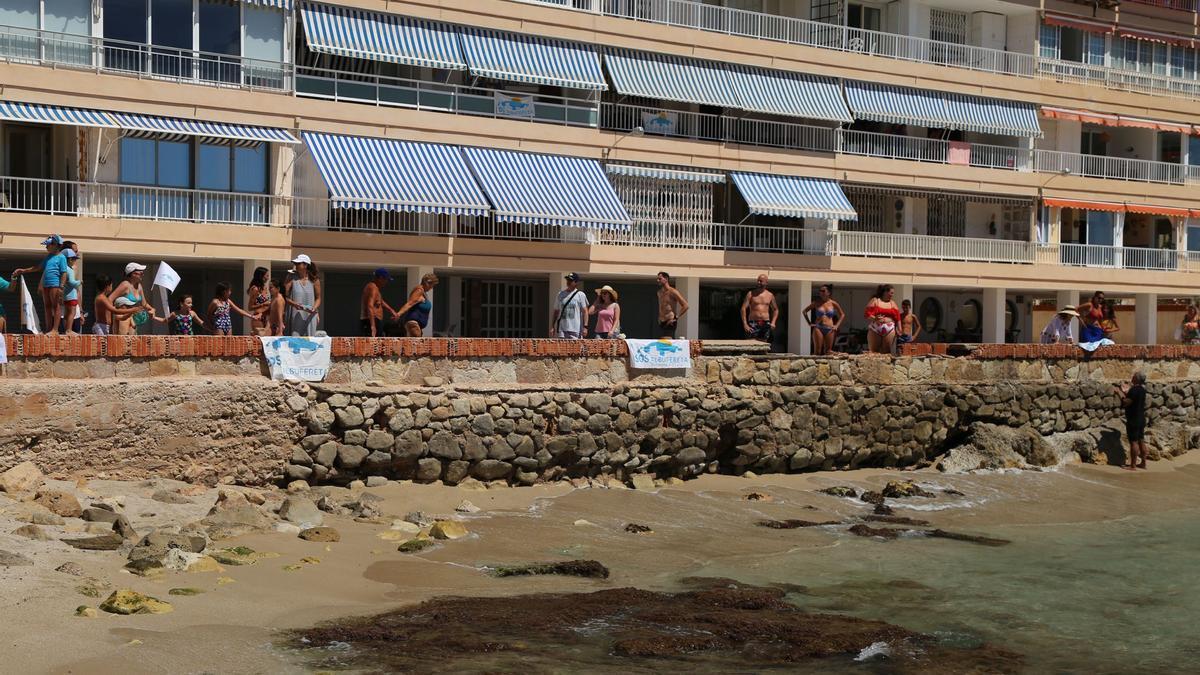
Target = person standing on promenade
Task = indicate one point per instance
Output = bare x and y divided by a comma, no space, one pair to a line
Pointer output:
372,305
103,310
414,313
258,300
131,289
760,313
910,328
827,317
1058,331
1091,315
607,312
54,272
671,306
220,320
184,320
302,292
1133,399
568,319
882,316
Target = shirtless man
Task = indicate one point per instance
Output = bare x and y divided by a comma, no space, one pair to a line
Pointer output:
275,310
373,304
910,328
105,311
671,306
760,312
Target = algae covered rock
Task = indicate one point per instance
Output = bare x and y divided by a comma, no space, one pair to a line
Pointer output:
415,545
899,489
590,569
126,601
320,534
839,491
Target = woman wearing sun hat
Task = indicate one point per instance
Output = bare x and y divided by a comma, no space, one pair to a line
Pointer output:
1058,331
607,313
302,292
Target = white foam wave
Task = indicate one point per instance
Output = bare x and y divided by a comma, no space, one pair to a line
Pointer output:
873,650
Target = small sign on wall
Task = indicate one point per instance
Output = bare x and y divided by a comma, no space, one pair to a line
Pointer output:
659,353
660,122
511,105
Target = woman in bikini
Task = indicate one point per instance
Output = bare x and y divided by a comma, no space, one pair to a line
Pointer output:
258,301
219,318
1189,329
882,318
414,315
131,289
827,317
1092,316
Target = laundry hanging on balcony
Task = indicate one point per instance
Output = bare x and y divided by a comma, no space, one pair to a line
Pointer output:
15,111
536,60
391,175
377,36
547,189
794,196
779,92
186,127
671,78
941,110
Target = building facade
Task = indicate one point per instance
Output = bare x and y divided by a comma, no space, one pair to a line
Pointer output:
978,156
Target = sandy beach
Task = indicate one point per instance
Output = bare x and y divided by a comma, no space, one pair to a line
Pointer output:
702,527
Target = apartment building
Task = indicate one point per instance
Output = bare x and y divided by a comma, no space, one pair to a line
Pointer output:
979,156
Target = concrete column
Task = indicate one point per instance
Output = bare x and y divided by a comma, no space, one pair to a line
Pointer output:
1145,318
799,334
554,284
414,275
689,288
454,317
993,315
905,292
239,295
1062,299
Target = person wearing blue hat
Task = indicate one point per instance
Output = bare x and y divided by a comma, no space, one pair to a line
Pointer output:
373,304
72,321
54,275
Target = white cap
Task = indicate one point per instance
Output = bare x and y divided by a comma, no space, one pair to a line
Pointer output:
134,267
302,258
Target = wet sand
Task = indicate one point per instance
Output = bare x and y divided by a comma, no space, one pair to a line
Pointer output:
704,527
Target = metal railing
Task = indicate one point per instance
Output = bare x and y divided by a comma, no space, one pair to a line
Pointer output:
1117,257
1119,79
1119,168
422,95
1183,5
918,149
966,249
720,128
21,45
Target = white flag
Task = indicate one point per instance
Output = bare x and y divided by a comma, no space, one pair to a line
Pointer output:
166,277
29,315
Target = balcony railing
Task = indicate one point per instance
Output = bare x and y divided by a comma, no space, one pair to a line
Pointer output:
21,45
720,128
1119,79
916,246
406,93
1120,168
1182,5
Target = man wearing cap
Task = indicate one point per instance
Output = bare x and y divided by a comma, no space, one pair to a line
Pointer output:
568,319
54,273
1058,331
373,304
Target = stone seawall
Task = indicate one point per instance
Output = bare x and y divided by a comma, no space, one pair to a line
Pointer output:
733,414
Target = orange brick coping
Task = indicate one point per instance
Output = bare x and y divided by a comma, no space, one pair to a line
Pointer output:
1050,352
206,346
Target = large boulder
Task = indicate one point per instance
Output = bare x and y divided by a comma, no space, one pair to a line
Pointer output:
59,502
126,601
301,511
989,446
23,477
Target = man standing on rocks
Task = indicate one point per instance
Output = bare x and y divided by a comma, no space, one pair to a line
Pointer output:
1133,399
569,318
760,312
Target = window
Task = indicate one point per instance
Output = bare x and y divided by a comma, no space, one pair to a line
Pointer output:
72,20
1144,56
972,316
171,35
1170,146
214,168
157,163
930,315
220,25
947,217
1092,142
865,17
1183,62
124,30
947,26
826,11
1050,43
20,13
250,168
1193,150
1193,238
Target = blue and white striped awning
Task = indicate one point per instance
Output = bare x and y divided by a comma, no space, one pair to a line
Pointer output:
670,78
392,175
376,36
793,94
898,105
172,125
794,196
52,114
993,115
527,58
547,189
663,173
285,5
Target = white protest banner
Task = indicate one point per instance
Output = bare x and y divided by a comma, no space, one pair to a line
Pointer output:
166,277
659,353
297,358
660,122
29,315
3,350
514,106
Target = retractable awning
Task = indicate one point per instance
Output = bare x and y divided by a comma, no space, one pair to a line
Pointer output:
391,175
1109,120
1158,210
52,114
670,78
1082,204
172,125
547,189
784,93
1155,36
1079,23
285,5
993,116
794,196
527,58
376,36
898,105
663,173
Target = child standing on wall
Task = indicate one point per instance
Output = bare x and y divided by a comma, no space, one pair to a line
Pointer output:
184,320
219,319
275,309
